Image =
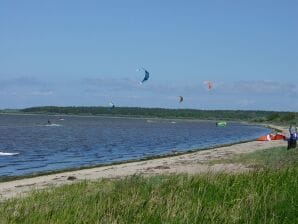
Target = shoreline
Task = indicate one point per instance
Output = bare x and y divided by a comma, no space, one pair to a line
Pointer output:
191,163
153,157
173,153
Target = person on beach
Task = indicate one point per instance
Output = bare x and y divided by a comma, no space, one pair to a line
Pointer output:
295,138
292,142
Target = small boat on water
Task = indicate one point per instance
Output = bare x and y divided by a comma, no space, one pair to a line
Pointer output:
221,124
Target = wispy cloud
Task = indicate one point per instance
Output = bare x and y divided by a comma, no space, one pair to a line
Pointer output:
26,94
21,81
40,93
128,84
258,87
25,88
246,102
110,83
239,87
128,92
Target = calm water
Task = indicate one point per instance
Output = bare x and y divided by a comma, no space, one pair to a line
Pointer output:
73,141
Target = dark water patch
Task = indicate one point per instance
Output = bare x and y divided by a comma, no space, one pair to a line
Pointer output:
86,141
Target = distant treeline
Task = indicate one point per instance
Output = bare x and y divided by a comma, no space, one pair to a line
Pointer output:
254,116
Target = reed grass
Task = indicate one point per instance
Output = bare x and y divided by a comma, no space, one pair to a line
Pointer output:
269,195
272,158
258,197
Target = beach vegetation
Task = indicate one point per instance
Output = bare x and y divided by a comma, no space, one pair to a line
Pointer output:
267,195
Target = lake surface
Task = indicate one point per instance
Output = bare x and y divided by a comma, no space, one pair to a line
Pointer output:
28,144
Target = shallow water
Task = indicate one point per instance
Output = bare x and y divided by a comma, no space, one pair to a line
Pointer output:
29,144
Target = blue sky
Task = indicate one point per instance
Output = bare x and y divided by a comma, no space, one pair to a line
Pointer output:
85,53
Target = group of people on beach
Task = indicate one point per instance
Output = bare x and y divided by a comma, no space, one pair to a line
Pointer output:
292,141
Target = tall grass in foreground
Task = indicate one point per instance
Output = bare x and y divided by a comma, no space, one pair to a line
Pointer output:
258,197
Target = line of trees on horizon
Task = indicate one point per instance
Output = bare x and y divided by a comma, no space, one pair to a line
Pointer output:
243,115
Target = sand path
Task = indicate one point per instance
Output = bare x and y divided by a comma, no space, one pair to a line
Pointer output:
192,163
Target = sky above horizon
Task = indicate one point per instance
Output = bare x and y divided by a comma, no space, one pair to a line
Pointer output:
86,53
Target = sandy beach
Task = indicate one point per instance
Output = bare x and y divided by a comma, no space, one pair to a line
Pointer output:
191,163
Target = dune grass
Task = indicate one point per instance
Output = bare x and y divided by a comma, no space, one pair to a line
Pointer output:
272,158
269,195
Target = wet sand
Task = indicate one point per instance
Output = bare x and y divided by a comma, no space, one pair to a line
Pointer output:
191,163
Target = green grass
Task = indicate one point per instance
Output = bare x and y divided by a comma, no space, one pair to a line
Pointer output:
269,195
276,158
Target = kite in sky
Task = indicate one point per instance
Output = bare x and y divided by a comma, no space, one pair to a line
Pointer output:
146,77
209,85
112,105
180,99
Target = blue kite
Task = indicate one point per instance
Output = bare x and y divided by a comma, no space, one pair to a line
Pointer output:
146,76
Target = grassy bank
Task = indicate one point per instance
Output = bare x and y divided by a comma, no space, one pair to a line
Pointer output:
272,158
269,195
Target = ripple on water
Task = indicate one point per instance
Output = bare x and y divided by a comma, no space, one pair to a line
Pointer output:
83,141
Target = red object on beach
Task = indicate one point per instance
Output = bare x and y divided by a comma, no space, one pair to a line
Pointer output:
264,138
270,137
278,137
